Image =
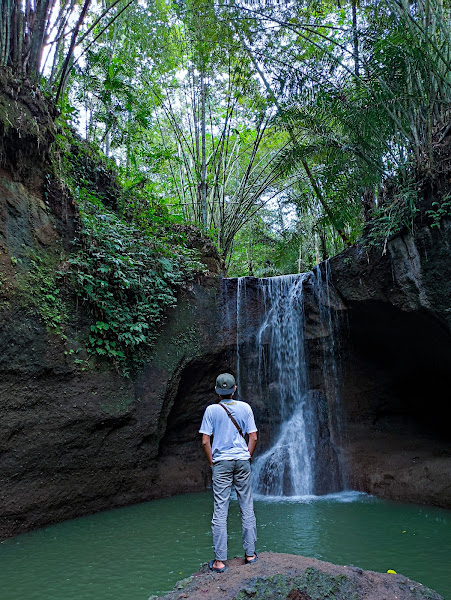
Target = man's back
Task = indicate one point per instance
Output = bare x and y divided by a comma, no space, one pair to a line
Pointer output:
228,443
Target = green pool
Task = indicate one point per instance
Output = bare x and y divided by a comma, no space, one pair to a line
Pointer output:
131,553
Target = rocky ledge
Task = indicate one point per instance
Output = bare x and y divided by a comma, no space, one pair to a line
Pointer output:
290,577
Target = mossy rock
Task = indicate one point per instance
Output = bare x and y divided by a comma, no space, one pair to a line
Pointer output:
27,128
312,585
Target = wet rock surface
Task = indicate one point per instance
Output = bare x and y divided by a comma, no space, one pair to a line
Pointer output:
395,365
74,442
290,577
78,438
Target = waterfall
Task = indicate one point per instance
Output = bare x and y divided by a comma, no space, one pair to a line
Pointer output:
275,317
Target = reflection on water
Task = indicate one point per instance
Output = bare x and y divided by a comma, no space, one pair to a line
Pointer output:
131,553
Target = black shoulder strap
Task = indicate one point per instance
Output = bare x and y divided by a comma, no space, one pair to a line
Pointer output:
232,419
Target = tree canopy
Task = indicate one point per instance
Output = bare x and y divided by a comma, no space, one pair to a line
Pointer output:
281,129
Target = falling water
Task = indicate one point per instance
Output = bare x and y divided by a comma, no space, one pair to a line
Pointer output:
274,318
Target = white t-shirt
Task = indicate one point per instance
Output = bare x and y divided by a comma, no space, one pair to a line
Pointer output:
228,444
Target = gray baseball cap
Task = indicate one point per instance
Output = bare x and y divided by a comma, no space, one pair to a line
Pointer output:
225,384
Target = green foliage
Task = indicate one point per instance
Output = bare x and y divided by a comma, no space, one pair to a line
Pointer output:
81,165
127,278
388,222
265,248
130,258
39,286
51,305
367,102
440,210
214,110
395,214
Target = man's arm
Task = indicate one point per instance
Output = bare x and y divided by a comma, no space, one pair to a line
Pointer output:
252,442
206,445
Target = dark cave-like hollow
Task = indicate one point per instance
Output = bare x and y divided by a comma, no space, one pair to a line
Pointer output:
395,367
195,392
396,370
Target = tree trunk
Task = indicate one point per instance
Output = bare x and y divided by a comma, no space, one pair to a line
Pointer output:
203,176
355,39
368,203
37,37
322,237
65,69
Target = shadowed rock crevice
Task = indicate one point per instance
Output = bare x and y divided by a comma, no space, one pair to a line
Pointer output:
409,354
182,464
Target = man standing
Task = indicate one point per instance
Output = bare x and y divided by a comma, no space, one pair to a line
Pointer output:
228,421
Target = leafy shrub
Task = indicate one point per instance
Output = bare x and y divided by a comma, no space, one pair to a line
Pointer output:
394,215
128,278
37,288
42,279
439,211
79,163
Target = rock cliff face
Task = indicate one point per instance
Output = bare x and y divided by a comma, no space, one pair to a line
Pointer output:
396,365
75,440
393,347
394,344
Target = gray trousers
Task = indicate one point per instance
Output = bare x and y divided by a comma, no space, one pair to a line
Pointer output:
236,473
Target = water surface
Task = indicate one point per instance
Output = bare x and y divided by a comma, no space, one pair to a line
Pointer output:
131,553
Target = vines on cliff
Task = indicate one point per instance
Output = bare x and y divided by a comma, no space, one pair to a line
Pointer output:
127,271
127,278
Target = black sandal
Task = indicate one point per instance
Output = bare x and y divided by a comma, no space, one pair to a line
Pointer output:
215,569
249,561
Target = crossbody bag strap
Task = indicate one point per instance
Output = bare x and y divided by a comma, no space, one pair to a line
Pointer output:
229,414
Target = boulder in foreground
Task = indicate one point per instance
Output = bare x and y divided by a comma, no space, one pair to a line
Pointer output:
290,577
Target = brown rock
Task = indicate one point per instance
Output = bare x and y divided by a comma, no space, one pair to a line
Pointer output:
298,578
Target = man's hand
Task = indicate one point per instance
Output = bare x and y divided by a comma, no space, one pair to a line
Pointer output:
206,445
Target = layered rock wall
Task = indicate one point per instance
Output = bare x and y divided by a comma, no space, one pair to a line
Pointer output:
396,365
76,439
